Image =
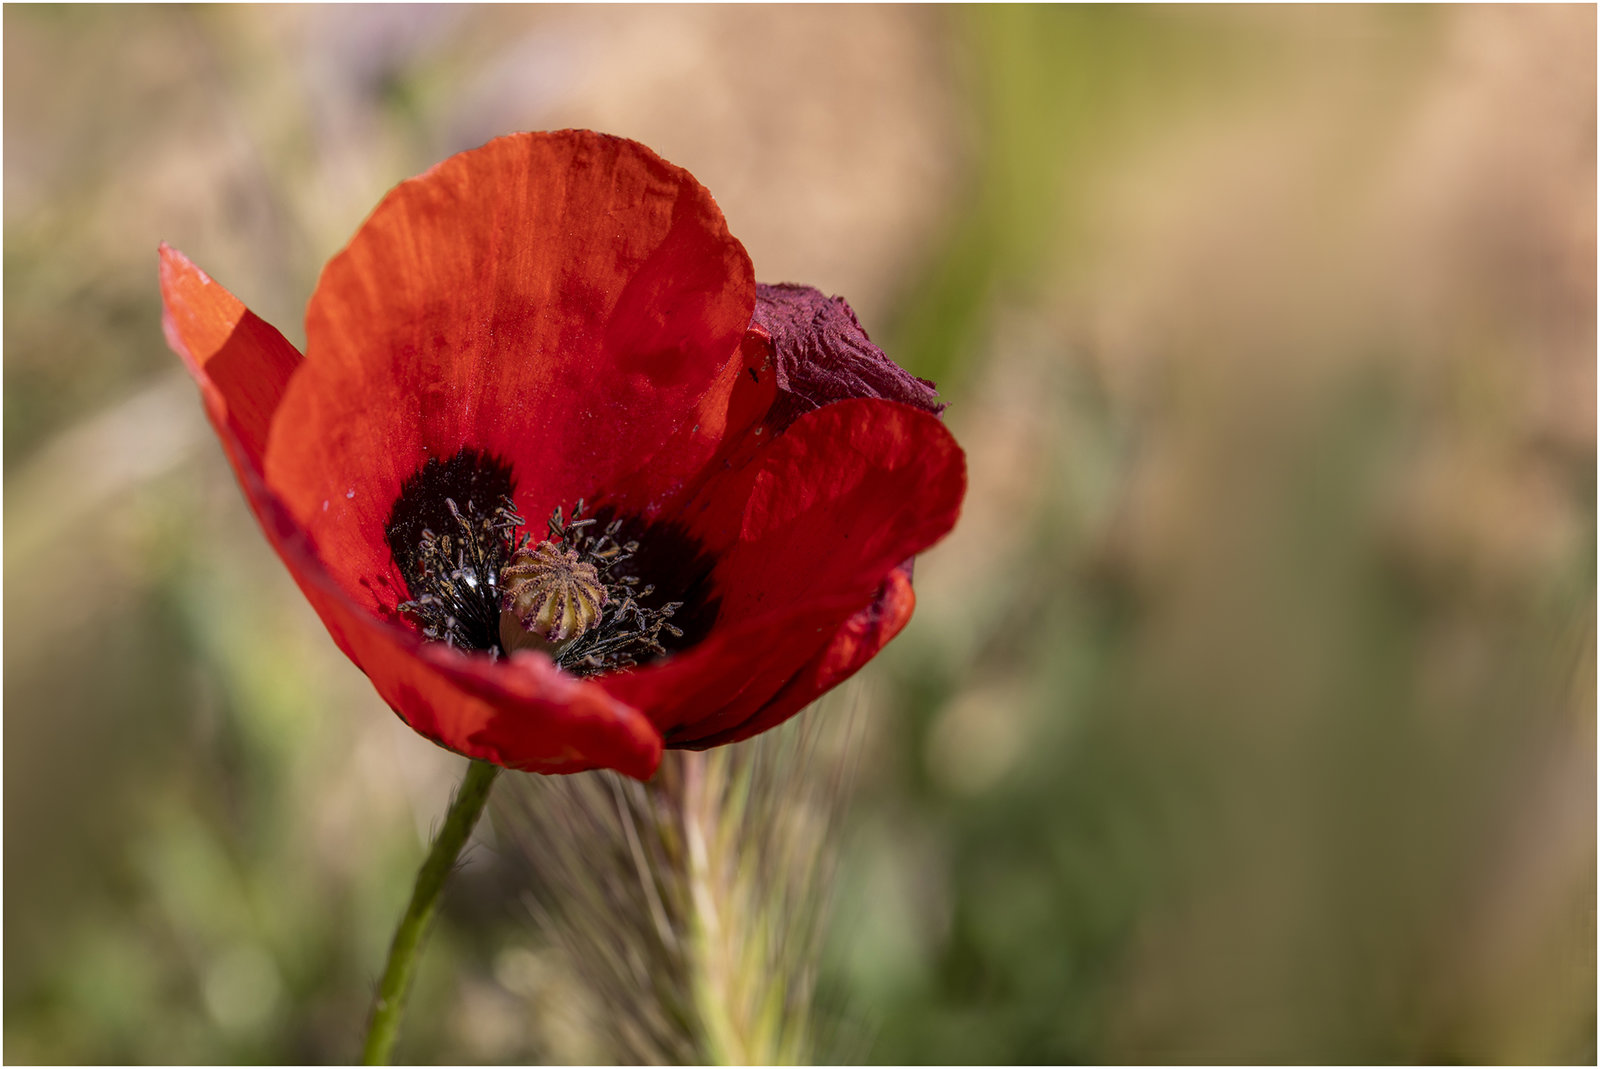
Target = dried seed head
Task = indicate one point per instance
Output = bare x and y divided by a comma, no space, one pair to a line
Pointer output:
549,597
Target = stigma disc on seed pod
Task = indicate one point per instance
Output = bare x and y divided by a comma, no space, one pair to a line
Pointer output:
549,597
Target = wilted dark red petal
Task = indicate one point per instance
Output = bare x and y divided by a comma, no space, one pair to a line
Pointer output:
561,301
241,363
806,536
823,355
522,714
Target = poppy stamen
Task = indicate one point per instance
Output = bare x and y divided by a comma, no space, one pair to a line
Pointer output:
478,582
565,595
458,574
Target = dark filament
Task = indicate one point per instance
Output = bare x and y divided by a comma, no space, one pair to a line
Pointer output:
458,573
627,632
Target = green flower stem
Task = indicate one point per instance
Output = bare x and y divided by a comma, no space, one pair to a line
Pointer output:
390,1002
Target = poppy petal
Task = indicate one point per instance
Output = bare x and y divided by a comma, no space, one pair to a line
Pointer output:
558,301
730,676
521,713
241,363
846,494
852,646
806,536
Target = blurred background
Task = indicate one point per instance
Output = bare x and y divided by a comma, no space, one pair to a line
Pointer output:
1249,713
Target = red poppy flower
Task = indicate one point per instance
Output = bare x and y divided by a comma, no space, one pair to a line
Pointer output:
559,476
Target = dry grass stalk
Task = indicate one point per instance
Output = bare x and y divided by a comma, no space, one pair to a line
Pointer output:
691,908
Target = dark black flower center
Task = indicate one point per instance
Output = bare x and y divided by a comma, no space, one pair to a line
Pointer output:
600,593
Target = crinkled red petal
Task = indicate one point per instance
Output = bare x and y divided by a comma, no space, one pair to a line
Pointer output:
822,354
560,301
522,713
